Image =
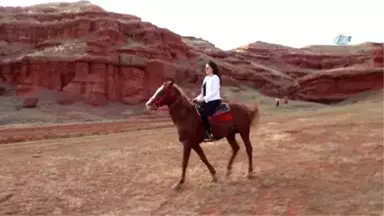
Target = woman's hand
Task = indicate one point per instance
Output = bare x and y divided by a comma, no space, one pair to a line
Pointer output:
197,99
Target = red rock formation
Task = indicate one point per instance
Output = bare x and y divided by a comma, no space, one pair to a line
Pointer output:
90,54
337,84
94,55
321,75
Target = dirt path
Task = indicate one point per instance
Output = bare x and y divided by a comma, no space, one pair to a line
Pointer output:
20,134
315,164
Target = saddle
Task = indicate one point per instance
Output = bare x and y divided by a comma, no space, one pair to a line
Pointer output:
221,109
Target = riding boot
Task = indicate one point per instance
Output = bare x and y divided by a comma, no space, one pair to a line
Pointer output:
208,137
208,133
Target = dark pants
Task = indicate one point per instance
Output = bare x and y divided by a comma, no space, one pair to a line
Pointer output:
208,109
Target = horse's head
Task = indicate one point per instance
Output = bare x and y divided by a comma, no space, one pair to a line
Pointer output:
166,94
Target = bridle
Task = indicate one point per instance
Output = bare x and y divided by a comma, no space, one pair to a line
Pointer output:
167,94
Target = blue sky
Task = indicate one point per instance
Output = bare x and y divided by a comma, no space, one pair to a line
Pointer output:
232,23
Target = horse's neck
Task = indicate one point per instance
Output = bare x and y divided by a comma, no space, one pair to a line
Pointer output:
180,111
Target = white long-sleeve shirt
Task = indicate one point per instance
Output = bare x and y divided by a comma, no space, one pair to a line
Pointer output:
212,88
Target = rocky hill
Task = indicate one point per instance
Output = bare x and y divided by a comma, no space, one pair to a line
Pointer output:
91,54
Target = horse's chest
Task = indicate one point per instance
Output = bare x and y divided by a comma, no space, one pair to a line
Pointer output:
185,132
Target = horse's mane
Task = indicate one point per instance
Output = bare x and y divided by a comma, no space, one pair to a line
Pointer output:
183,94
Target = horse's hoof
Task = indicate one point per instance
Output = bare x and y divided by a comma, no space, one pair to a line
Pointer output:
228,173
249,175
176,186
214,179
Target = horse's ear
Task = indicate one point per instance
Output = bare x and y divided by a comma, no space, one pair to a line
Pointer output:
169,82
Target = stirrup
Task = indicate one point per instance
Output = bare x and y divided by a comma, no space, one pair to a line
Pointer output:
209,137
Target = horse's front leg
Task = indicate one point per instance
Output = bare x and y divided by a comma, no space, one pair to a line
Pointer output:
204,159
186,154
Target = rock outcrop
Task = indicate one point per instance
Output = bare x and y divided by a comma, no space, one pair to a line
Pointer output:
98,56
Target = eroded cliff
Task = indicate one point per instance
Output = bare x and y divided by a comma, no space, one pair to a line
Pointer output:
94,55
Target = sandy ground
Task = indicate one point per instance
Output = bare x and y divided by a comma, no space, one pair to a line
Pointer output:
327,161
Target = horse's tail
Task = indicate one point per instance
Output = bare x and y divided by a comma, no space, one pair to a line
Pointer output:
254,115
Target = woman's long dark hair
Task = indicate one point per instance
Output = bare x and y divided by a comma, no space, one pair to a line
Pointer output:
215,69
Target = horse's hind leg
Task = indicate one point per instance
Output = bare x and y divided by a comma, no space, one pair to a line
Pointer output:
199,151
248,148
235,148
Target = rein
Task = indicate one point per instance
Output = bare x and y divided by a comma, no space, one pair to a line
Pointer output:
175,102
158,101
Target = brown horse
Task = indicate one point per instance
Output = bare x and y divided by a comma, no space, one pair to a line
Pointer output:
228,120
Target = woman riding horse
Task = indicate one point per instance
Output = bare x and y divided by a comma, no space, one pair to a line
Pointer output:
210,96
